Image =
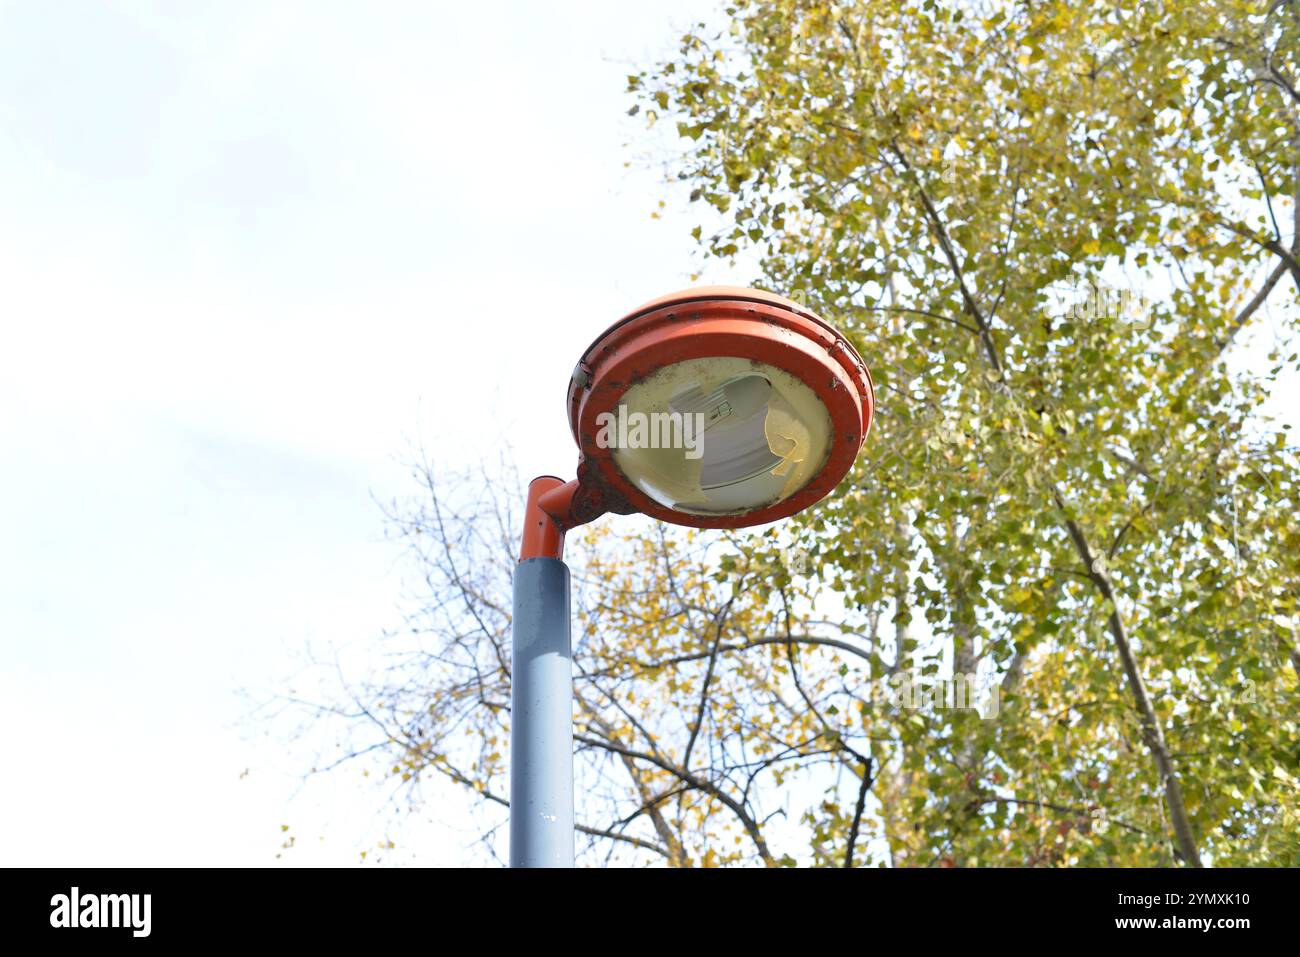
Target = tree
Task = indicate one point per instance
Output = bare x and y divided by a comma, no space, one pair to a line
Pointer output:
933,174
696,696
1046,226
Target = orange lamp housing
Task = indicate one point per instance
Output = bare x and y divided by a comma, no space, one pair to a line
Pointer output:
767,405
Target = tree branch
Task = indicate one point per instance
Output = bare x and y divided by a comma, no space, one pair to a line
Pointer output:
1151,730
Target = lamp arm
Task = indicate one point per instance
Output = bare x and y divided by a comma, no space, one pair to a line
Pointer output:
555,506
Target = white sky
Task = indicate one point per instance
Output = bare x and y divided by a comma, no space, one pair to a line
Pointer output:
248,253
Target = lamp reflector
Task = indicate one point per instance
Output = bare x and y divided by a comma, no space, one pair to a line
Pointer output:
719,436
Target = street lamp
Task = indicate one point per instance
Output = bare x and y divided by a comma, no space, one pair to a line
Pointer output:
765,406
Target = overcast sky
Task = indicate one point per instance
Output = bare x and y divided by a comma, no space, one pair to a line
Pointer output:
249,253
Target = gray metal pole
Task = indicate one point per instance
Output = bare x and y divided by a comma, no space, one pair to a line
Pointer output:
541,718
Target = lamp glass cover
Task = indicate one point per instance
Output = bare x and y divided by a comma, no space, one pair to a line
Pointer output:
718,436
